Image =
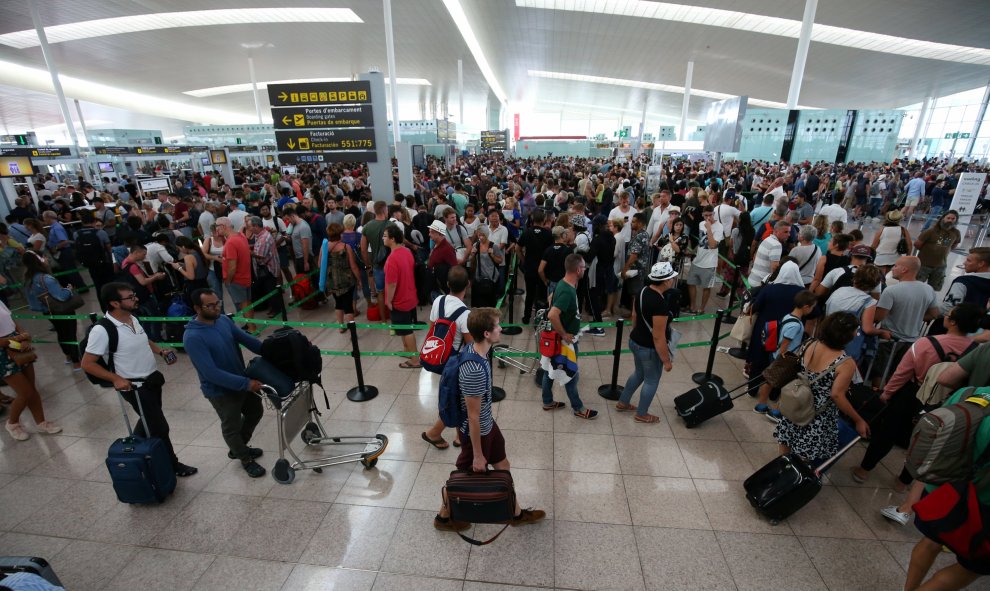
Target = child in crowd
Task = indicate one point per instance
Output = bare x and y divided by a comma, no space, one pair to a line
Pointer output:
790,334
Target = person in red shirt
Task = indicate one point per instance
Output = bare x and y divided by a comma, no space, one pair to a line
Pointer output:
236,266
400,291
442,258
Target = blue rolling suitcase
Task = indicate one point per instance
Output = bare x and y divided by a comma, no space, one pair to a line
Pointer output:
140,468
14,565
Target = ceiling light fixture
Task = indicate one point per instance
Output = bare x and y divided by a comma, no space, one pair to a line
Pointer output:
39,80
233,88
173,20
653,86
460,19
769,25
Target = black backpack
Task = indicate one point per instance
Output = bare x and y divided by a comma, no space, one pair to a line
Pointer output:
89,248
107,363
294,355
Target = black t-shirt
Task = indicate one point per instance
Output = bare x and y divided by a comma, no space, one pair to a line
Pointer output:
535,241
654,304
603,248
554,256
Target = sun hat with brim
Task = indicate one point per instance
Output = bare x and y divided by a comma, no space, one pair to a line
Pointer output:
894,215
438,226
662,271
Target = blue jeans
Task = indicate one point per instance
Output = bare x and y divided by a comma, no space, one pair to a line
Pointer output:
647,373
933,214
570,388
875,204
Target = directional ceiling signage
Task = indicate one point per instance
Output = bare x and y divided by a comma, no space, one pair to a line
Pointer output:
323,116
323,122
36,152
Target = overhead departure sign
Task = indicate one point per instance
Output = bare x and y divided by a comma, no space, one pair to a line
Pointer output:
320,140
494,140
36,152
113,150
323,122
319,93
242,148
323,116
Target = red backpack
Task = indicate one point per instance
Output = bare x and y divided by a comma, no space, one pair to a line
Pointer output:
439,343
301,290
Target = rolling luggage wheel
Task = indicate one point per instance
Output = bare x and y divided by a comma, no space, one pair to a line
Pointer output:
774,522
369,464
283,473
318,470
310,433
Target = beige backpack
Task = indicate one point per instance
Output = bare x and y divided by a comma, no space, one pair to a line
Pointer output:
797,401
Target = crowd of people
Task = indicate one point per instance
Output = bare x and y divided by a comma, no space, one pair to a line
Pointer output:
589,240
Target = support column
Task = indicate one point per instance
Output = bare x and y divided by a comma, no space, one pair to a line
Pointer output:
53,71
380,171
460,93
804,41
82,124
687,99
390,56
925,106
642,128
254,89
979,120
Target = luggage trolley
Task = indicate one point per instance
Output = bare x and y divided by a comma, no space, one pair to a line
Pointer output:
296,414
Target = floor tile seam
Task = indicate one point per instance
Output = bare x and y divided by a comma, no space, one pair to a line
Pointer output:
639,555
807,553
725,559
402,509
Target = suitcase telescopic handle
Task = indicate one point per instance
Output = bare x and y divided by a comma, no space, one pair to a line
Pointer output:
824,466
123,410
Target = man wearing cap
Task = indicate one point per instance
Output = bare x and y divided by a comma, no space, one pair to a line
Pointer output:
442,259
859,254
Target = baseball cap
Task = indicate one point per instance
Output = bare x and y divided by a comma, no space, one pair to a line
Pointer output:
861,250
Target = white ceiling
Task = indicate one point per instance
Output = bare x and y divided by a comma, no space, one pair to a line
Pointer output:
516,41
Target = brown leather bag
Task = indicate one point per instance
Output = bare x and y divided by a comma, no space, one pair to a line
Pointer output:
476,497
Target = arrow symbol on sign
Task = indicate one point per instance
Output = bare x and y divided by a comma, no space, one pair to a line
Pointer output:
282,97
285,120
291,144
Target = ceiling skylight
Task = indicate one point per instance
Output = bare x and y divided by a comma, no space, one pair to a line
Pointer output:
769,25
173,20
234,88
653,86
461,20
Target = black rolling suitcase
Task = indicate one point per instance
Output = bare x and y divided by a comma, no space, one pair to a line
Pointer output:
782,487
10,565
708,400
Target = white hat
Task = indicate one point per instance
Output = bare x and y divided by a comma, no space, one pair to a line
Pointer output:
438,226
662,271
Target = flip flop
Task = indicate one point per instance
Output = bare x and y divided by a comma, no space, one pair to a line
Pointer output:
440,443
407,365
624,407
646,419
457,443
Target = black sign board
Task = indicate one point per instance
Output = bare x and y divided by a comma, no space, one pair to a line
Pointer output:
113,150
36,152
495,141
330,116
318,158
319,93
242,148
322,140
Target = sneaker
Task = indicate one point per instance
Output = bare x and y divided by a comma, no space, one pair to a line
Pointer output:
761,409
254,452
17,431
254,469
448,524
527,516
50,427
893,514
182,470
586,414
774,415
525,320
596,332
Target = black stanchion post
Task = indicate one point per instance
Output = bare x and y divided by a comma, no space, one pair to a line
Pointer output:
703,378
729,318
510,293
285,309
363,392
613,390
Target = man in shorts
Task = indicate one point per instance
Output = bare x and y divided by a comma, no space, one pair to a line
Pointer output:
702,273
400,291
482,443
236,266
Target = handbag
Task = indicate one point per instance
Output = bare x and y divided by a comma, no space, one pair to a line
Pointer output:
475,497
785,368
549,343
58,307
742,330
902,245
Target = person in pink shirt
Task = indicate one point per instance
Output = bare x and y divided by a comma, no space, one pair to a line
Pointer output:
900,391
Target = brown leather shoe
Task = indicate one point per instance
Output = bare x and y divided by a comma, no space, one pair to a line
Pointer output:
449,524
527,516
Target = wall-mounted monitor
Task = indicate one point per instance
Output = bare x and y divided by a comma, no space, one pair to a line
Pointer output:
218,157
154,184
723,125
205,161
15,166
105,166
287,170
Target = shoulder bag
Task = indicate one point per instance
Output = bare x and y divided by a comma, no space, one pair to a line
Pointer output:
57,306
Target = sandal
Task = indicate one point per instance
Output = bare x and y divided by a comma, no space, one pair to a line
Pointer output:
407,365
586,414
554,405
439,443
646,419
457,443
623,407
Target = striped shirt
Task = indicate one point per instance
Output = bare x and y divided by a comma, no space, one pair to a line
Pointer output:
475,379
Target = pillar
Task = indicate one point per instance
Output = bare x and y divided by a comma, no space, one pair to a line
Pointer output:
804,42
687,99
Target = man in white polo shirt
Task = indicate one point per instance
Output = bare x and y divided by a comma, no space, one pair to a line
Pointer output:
133,369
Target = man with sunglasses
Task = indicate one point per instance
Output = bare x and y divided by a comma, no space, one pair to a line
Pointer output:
213,341
134,371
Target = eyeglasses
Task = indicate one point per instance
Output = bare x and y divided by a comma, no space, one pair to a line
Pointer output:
130,297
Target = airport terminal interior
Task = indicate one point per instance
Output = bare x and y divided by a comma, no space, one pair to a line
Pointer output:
145,98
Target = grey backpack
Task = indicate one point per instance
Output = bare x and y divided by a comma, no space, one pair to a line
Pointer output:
941,448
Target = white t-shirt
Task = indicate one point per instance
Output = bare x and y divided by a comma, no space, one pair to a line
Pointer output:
271,224
726,215
499,236
657,221
206,220
157,256
617,214
134,358
7,324
450,305
707,258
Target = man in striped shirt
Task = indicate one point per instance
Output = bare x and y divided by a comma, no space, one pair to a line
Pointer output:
482,443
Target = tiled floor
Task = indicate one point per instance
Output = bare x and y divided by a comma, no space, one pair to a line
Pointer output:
630,506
